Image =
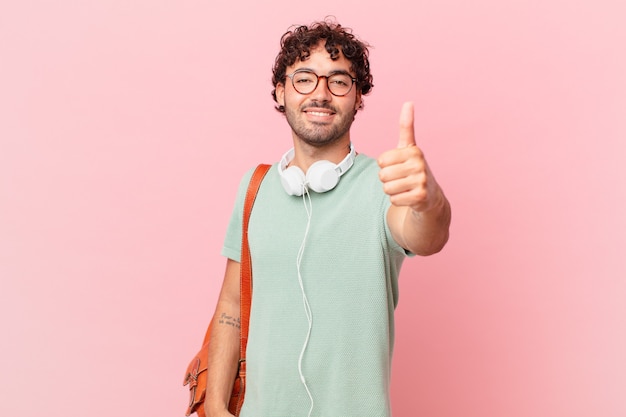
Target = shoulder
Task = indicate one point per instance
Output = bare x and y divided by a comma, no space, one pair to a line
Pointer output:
247,176
364,167
363,175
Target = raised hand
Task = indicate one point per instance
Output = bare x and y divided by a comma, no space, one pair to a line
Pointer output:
404,172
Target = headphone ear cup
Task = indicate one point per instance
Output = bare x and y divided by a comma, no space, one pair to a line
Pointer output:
293,180
322,176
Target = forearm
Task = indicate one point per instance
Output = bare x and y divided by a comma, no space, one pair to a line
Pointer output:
223,357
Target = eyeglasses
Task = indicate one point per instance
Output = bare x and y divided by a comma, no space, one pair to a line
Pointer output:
305,81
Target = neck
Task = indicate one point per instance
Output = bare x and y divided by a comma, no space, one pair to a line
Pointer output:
305,154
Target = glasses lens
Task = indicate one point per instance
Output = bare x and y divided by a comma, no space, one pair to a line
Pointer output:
339,84
304,82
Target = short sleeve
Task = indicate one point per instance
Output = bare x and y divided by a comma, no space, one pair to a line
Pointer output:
232,242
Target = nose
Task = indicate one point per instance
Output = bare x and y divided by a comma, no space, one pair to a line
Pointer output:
321,92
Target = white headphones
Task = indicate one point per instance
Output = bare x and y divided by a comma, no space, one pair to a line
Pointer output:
322,176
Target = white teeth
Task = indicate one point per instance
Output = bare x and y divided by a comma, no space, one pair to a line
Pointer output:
318,113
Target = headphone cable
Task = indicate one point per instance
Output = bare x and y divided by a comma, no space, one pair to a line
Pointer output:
307,308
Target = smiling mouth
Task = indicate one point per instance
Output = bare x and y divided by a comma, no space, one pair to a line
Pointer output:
319,113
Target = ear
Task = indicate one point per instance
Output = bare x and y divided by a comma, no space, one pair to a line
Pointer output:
358,101
280,94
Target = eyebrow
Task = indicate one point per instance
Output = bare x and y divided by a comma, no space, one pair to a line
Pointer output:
329,74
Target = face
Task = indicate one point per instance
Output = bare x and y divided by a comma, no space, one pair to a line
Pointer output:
319,118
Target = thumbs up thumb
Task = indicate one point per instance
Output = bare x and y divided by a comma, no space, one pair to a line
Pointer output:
407,132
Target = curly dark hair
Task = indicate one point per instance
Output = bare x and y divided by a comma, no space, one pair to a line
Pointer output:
297,42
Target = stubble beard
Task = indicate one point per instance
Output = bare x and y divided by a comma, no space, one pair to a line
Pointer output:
318,134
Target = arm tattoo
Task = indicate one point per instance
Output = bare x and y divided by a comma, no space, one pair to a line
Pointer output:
229,321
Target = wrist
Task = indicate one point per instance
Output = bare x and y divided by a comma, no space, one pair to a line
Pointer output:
433,205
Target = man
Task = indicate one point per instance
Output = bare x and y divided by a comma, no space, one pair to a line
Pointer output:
328,234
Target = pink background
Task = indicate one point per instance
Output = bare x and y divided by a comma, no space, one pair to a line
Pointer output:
125,127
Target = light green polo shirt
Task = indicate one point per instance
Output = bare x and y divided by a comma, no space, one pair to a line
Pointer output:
349,271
